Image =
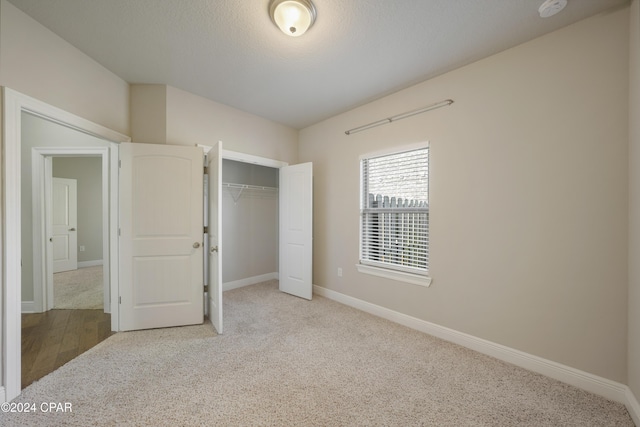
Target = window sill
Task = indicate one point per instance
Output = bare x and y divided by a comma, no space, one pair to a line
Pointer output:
395,275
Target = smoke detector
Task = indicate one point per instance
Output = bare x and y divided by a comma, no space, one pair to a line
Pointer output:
551,7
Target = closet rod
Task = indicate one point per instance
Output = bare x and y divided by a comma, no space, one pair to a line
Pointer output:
400,116
248,187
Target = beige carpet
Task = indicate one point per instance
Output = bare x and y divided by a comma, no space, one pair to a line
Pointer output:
78,289
284,361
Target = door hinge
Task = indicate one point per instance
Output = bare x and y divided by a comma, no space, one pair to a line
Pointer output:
119,232
119,300
206,288
119,163
206,230
206,170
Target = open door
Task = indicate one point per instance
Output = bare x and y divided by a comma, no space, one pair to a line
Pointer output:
161,220
65,224
214,171
296,230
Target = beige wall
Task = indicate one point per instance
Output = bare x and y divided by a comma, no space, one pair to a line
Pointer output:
192,119
528,197
634,202
162,114
148,104
38,63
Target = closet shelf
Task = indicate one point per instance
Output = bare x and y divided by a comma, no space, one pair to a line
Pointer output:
248,187
243,187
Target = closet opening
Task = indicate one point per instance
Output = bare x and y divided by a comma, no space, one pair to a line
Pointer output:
258,226
250,223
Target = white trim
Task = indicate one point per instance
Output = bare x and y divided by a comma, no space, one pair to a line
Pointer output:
114,260
14,103
632,406
592,383
249,281
400,276
12,249
250,158
366,265
94,263
394,150
41,172
39,230
29,307
245,158
64,118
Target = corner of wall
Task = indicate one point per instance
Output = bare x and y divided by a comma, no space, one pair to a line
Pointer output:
633,357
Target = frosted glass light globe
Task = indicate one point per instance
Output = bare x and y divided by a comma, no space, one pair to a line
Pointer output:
293,17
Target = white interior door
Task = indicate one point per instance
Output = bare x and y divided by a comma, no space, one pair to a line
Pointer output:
161,233
296,230
65,224
214,168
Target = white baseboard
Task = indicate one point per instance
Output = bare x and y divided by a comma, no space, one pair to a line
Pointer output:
249,281
29,307
633,406
592,383
84,264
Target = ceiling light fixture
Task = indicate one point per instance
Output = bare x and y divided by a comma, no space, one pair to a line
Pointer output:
551,7
293,17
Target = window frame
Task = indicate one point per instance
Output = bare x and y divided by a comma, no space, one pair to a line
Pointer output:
401,273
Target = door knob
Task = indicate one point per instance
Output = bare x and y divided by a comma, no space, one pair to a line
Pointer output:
196,245
72,229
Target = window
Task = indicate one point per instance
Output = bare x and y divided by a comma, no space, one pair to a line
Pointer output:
394,211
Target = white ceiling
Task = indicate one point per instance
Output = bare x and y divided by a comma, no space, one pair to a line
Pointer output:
358,50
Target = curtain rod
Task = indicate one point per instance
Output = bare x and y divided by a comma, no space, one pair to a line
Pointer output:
400,116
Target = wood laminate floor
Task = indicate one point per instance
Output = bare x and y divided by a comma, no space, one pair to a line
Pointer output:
51,339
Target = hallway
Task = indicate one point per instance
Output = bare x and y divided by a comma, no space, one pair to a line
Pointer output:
51,339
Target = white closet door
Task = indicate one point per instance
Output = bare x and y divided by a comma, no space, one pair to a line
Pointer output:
296,230
214,168
161,233
65,224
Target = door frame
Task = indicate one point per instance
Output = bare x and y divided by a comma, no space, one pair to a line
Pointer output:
147,303
14,104
243,158
41,172
249,158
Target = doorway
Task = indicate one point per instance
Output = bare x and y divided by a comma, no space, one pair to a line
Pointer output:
77,233
249,223
90,164
68,272
295,221
16,107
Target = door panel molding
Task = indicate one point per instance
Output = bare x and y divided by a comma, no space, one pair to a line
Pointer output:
296,230
161,239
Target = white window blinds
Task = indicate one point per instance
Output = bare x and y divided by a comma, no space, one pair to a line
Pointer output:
394,211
